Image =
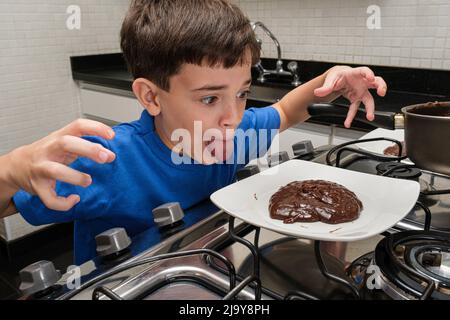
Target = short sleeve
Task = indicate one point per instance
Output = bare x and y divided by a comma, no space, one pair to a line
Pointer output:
256,132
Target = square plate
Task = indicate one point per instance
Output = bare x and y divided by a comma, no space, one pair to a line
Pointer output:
385,200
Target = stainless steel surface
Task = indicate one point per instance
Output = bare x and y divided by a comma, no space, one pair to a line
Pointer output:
441,269
267,94
399,121
182,268
287,264
176,291
171,244
293,68
412,262
270,34
144,282
282,258
392,290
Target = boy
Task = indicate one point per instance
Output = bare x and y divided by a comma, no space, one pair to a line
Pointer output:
191,61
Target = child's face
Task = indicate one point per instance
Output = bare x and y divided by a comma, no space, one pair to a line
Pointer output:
215,97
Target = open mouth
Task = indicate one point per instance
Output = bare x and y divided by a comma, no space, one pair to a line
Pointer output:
220,149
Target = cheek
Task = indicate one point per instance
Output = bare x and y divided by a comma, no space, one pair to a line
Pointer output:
198,122
242,109
182,113
209,116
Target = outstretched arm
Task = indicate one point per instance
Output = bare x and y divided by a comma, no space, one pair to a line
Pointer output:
352,83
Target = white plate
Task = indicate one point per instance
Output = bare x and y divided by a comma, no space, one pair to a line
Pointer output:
386,201
380,146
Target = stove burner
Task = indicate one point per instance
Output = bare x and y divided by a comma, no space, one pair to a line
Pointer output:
339,149
415,265
398,170
433,261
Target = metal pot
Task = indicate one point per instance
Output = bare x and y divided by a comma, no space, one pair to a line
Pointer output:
427,130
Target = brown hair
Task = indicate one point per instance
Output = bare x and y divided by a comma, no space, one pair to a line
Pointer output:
158,36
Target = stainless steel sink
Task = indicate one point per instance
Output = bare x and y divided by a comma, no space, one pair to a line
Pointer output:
267,94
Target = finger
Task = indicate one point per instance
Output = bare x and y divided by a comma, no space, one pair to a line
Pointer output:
369,104
60,172
366,73
86,127
353,109
52,201
380,85
328,86
83,148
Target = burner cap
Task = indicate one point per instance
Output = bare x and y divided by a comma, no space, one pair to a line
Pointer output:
432,260
407,258
410,173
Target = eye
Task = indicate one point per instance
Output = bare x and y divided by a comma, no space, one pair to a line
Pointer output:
209,100
243,95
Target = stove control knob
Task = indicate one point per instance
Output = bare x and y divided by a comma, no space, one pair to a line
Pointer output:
303,147
112,241
247,172
38,277
167,214
277,158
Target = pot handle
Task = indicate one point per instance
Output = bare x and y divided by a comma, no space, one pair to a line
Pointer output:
383,119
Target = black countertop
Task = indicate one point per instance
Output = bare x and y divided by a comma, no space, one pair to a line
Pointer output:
406,86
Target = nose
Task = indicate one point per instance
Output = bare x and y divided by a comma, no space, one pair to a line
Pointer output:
231,116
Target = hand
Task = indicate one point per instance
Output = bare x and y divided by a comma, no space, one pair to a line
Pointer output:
354,85
36,167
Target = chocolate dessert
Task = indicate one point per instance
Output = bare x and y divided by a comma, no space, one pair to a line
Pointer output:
314,200
394,150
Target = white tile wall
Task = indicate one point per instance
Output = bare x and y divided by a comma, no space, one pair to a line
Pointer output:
414,33
37,93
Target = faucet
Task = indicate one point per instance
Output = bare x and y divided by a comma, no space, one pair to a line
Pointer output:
292,66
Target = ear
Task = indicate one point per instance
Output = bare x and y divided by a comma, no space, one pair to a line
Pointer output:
147,94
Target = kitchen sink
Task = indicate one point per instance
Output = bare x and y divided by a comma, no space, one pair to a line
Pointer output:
267,94
276,80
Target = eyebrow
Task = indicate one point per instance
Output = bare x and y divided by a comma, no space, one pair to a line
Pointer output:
218,87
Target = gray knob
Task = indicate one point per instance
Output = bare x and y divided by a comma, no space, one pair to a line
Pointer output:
167,214
112,241
277,158
247,172
303,147
38,276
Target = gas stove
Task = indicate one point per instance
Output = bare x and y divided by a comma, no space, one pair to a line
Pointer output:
213,256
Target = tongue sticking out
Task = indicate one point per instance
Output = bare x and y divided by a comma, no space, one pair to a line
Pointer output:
221,150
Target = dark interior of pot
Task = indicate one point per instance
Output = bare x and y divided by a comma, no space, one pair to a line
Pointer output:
437,109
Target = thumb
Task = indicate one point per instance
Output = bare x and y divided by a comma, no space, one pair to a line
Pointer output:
327,87
323,91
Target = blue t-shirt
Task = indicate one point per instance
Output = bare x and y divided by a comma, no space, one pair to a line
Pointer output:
142,177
